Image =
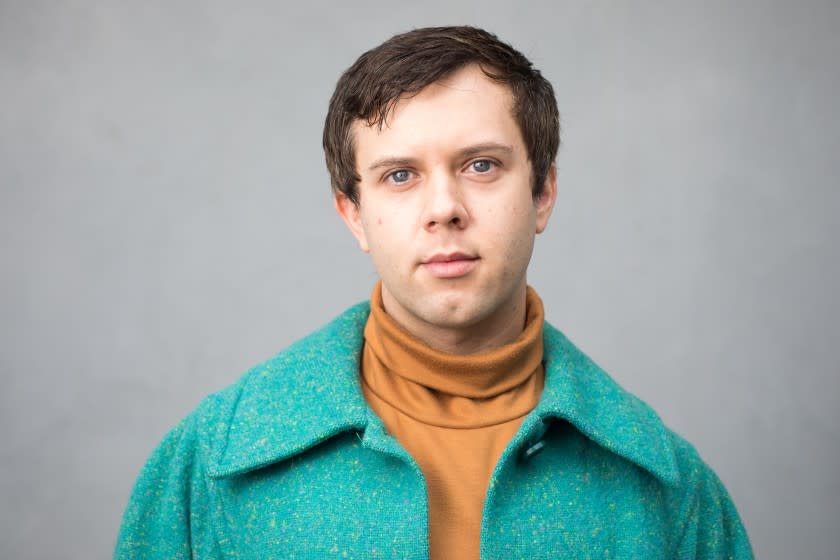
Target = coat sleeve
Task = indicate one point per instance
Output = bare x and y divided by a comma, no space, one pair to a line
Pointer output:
167,514
711,527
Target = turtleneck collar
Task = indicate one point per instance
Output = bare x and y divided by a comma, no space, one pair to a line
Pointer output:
451,390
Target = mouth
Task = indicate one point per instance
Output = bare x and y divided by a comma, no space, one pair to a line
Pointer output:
450,265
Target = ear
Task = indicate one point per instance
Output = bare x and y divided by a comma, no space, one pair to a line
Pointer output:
350,213
544,203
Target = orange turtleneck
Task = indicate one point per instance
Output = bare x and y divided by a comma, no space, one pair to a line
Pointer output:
453,414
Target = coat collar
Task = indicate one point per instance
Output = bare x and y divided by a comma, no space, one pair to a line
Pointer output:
579,391
310,392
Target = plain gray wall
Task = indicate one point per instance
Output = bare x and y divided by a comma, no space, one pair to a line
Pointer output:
166,222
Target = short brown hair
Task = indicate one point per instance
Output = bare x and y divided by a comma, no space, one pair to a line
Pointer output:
407,63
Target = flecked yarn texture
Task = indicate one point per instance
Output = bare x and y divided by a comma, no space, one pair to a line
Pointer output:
290,462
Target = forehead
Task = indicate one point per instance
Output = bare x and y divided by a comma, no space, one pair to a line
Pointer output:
463,109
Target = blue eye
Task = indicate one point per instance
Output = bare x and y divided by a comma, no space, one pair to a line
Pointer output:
400,176
481,165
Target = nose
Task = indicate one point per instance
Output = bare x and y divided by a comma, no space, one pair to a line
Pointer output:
444,203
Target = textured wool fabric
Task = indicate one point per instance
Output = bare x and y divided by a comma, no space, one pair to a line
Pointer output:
453,414
290,462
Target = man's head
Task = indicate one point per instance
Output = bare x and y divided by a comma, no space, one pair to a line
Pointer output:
406,63
441,186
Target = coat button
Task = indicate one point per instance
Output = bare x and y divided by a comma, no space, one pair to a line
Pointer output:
532,451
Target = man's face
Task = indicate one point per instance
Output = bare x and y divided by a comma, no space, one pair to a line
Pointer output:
445,204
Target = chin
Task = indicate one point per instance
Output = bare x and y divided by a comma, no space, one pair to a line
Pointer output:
452,314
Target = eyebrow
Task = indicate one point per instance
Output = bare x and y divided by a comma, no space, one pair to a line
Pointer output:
484,147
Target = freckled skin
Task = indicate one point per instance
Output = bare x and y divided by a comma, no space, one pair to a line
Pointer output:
440,201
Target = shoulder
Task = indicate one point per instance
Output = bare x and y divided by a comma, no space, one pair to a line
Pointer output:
579,391
274,407
708,522
303,362
280,402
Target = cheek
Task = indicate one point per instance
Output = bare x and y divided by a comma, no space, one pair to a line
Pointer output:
516,236
383,241
373,224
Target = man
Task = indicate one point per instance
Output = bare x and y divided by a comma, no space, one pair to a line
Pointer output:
444,418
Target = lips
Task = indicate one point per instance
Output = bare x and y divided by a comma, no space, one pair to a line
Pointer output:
449,265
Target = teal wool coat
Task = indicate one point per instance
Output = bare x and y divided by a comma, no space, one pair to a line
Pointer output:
290,462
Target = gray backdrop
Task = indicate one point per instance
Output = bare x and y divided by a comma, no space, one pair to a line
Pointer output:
165,223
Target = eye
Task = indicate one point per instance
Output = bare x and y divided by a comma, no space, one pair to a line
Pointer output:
482,166
399,176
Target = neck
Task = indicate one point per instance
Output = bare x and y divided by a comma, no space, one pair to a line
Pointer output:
502,327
